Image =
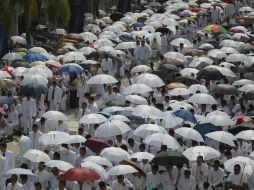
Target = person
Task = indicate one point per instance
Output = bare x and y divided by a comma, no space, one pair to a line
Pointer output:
107,65
53,178
81,156
216,175
119,141
187,182
24,143
200,171
83,111
109,95
153,178
14,184
3,165
72,87
27,184
102,186
34,136
62,126
10,158
143,53
237,179
54,96
38,186
3,125
121,183
12,121
29,111
42,175
169,178
92,105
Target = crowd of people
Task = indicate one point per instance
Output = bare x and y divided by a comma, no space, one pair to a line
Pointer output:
166,104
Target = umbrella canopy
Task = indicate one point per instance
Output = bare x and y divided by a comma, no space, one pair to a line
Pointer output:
135,99
7,83
71,68
30,57
218,120
122,170
185,115
223,137
61,165
76,139
146,111
98,160
96,144
4,74
33,89
119,117
246,135
92,118
115,154
210,74
207,152
34,79
54,115
37,156
215,29
158,139
170,120
205,128
80,175
140,69
202,98
12,56
189,133
179,92
102,79
165,158
225,89
125,45
198,87
112,128
186,43
150,80
93,166
142,156
145,130
18,171
245,163
137,89
54,138
39,70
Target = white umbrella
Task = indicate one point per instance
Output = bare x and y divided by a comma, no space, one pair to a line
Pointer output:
125,45
135,99
116,109
202,98
106,48
74,139
102,79
246,164
217,112
142,156
73,56
88,36
103,42
146,111
18,171
246,9
86,50
137,89
39,70
146,130
247,88
4,74
175,56
93,166
119,117
70,47
158,139
61,165
189,133
246,135
196,62
226,72
38,79
198,87
93,28
98,160
179,92
12,56
227,65
242,82
150,80
176,105
206,152
219,120
18,71
37,156
140,69
37,50
115,154
229,50
237,57
189,72
54,115
223,137
170,120
122,170
186,43
92,118
216,53
206,46
54,138
18,40
112,128
116,52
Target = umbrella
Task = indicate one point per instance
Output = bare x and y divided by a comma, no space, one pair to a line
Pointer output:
246,164
189,133
140,69
247,88
88,36
80,175
202,98
206,46
210,74
37,50
37,156
96,144
98,160
158,139
119,117
205,128
174,85
125,45
18,71
122,170
137,89
73,56
126,38
112,128
217,53
54,138
33,89
115,154
74,139
61,165
146,111
179,92
223,137
34,79
206,152
175,56
12,56
99,169
170,120
102,79
225,89
39,70
242,82
18,40
189,72
198,87
237,57
18,171
218,120
150,80
5,100
86,50
229,50
185,115
224,71
145,130
142,156
54,115
200,62
7,83
92,118
4,74
215,29
30,57
116,16
165,158
103,42
135,99
188,80
186,43
246,135
71,68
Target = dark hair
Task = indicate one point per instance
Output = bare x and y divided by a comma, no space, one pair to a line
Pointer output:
102,184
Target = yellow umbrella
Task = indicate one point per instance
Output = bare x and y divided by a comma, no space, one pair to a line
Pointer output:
37,63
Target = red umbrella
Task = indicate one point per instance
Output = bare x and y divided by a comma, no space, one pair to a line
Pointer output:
96,144
80,175
239,119
2,110
53,64
242,21
8,69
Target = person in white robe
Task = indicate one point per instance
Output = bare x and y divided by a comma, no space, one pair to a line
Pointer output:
83,111
237,179
164,44
80,186
81,156
121,183
29,111
107,65
12,120
109,95
138,180
153,178
54,96
3,165
10,158
83,88
216,175
92,105
187,182
24,144
40,105
34,136
62,126
214,15
27,184
42,175
143,53
14,185
200,171
169,178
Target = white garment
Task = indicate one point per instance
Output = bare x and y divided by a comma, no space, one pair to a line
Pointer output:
53,181
3,166
169,180
138,182
106,65
200,173
29,111
187,184
62,127
75,186
24,144
117,186
93,108
42,177
69,156
237,179
34,137
143,53
54,99
17,186
82,112
153,181
215,177
109,97
28,185
10,159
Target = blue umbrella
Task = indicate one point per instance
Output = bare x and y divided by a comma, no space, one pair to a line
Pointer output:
185,115
71,68
30,57
205,128
126,38
137,25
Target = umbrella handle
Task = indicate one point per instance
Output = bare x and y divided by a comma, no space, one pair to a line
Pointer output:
242,171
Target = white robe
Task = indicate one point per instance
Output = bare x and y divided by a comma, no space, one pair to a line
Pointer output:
10,160
187,184
34,137
107,65
153,181
117,186
54,102
42,177
17,186
143,54
29,111
24,144
3,169
169,180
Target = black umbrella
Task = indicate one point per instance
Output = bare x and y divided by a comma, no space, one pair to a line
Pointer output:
163,30
116,16
168,67
225,89
210,74
244,68
249,95
33,89
187,80
165,158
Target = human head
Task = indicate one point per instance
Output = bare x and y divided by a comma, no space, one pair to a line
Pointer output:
187,174
56,156
199,160
3,146
82,151
102,185
237,169
155,169
216,165
35,128
14,179
23,178
120,178
119,138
